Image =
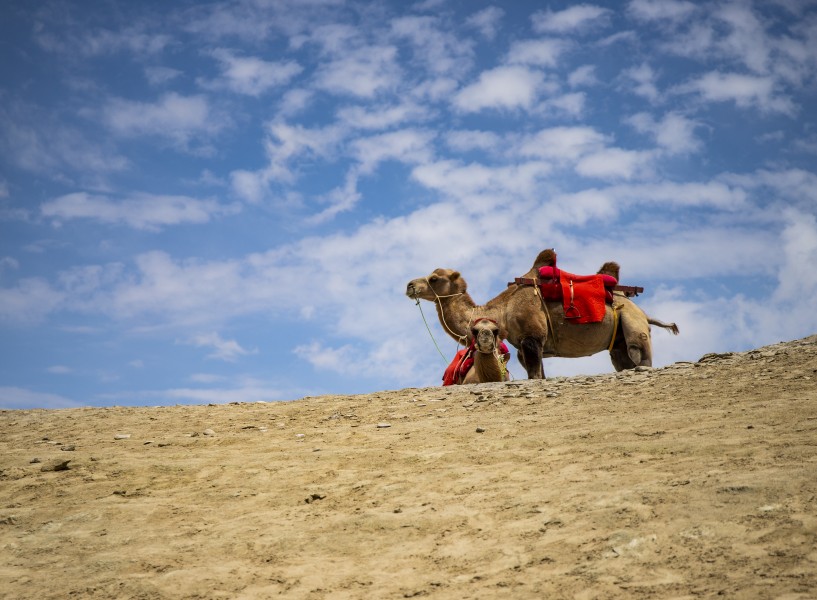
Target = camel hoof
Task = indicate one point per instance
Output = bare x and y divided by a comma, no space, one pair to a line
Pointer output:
635,354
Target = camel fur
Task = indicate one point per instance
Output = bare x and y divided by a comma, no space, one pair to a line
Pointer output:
489,363
538,329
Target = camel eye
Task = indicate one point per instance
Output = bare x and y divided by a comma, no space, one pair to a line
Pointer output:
433,279
474,332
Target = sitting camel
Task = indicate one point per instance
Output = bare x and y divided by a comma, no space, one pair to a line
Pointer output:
489,360
538,328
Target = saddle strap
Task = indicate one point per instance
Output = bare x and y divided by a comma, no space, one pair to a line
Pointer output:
627,290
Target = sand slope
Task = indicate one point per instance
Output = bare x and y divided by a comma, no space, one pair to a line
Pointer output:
690,481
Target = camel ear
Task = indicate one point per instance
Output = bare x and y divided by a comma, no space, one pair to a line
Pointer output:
454,276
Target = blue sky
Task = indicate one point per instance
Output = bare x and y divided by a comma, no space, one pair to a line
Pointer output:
217,202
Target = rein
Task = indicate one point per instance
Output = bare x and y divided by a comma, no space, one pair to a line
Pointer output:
442,312
442,315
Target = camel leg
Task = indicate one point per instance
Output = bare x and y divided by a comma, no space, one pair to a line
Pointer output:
531,357
618,353
636,333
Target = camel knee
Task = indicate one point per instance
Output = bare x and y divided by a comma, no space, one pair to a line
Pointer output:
640,351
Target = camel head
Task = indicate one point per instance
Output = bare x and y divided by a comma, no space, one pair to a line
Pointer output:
487,334
440,283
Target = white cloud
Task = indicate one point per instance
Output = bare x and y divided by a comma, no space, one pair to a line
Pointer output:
250,392
645,79
507,87
464,141
746,91
540,53
575,18
33,139
339,360
409,146
381,117
562,143
140,211
295,101
798,278
89,42
15,397
583,76
226,350
284,144
159,75
572,105
438,51
746,39
361,73
457,180
674,133
178,118
615,163
250,75
661,10
8,262
29,301
486,21
341,199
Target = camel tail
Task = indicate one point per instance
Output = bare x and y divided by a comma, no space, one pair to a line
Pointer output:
672,327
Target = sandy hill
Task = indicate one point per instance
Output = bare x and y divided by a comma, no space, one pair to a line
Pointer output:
694,480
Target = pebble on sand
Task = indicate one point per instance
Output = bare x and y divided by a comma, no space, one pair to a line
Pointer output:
122,436
208,432
60,465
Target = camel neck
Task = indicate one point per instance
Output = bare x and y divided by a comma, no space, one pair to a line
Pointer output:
487,367
454,313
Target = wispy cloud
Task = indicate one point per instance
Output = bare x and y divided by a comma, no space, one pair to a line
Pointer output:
486,21
507,87
576,18
250,75
16,397
746,91
226,350
140,211
180,119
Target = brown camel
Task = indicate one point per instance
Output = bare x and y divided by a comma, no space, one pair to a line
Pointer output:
539,329
489,363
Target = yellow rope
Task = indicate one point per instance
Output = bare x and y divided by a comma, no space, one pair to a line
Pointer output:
615,326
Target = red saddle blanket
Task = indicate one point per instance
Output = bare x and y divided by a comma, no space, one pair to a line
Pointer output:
583,296
463,361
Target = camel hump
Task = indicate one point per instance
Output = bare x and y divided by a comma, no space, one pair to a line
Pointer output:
610,268
546,258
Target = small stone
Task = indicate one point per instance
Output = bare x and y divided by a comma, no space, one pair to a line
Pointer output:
68,448
208,432
34,461
480,430
383,425
122,436
60,465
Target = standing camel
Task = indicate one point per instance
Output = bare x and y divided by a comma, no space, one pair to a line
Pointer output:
537,328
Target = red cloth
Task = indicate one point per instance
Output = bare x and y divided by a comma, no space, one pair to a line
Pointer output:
587,303
551,286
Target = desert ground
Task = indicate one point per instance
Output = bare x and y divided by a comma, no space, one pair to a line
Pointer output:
695,480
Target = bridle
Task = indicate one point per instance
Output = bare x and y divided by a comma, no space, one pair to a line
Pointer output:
437,297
